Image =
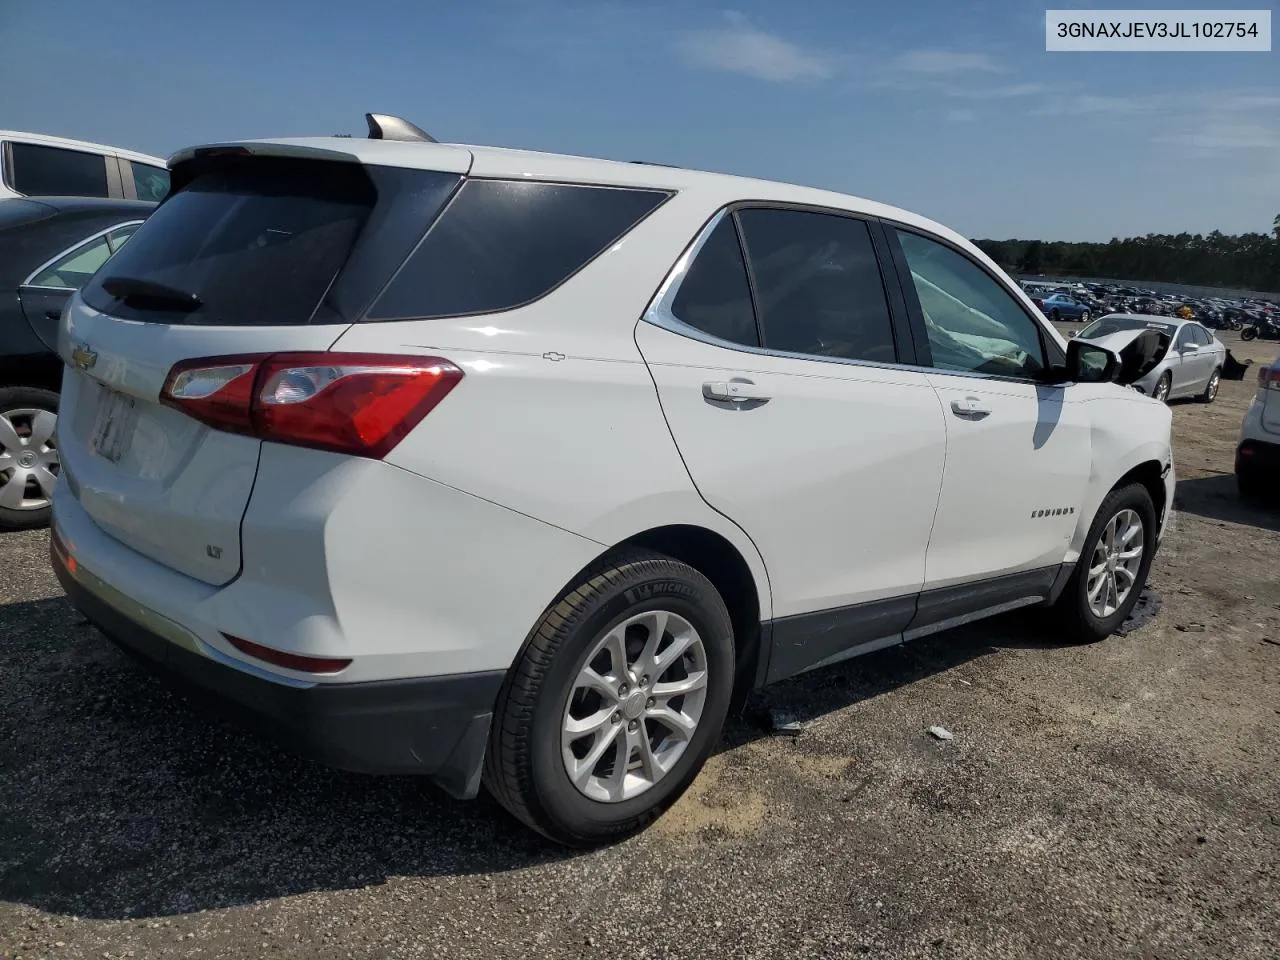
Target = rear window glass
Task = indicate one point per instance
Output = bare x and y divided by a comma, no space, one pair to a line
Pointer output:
257,244
502,244
40,171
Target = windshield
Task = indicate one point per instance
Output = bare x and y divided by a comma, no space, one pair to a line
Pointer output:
1106,326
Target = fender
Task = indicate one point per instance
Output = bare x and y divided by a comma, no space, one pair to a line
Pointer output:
1127,430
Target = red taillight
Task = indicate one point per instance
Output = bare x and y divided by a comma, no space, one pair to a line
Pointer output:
217,392
291,661
1269,378
356,403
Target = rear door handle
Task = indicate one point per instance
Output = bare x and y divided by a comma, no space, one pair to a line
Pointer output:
737,390
53,314
970,407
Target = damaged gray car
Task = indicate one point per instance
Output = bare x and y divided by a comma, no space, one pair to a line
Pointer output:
1187,360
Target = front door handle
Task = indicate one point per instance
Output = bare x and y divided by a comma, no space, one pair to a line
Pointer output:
735,391
970,407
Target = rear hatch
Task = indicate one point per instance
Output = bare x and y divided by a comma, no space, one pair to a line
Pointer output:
258,248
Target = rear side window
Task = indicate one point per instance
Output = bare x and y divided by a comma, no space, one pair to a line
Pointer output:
714,296
71,270
40,171
818,285
257,244
150,183
502,244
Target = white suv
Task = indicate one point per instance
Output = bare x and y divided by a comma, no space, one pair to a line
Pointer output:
519,468
1258,449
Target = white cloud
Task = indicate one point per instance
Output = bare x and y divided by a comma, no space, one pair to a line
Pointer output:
1219,137
1091,104
1007,92
738,47
945,62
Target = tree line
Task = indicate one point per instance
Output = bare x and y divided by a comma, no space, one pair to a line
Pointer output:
1248,261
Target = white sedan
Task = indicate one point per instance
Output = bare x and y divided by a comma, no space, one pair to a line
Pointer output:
1188,363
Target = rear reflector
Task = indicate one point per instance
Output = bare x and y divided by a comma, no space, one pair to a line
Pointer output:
355,403
290,661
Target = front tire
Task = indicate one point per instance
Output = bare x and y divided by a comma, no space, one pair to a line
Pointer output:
1249,333
1163,387
1113,566
616,702
28,456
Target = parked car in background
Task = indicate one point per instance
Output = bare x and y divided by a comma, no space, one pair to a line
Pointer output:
35,165
301,405
1189,364
49,247
1061,306
1258,450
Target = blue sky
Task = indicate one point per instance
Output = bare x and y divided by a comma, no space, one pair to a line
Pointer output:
950,109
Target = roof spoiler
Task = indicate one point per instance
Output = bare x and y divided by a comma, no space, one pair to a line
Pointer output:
383,126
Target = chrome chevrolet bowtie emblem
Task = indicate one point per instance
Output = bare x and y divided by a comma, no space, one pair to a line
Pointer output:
83,358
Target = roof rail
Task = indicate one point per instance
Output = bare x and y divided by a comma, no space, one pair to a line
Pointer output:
383,126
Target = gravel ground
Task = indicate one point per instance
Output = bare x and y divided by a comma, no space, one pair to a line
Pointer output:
1115,800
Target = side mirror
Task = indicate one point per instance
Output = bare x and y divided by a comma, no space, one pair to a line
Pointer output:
1089,363
1074,333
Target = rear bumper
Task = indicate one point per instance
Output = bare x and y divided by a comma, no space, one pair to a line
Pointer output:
434,726
1258,457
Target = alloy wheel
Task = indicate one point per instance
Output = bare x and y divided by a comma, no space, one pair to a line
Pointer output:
634,706
28,458
1113,568
1212,392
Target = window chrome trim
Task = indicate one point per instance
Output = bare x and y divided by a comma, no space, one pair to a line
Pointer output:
659,314
66,252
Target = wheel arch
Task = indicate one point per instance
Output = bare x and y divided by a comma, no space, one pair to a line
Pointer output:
722,562
39,372
1149,471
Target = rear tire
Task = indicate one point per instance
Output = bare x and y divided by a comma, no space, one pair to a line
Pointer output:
19,406
1250,486
1248,333
1211,388
531,744
1076,615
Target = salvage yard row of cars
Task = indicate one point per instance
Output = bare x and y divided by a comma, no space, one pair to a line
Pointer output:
1079,302
517,470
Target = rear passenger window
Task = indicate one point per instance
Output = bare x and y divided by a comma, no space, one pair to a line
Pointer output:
714,295
150,183
72,270
817,284
40,171
502,244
